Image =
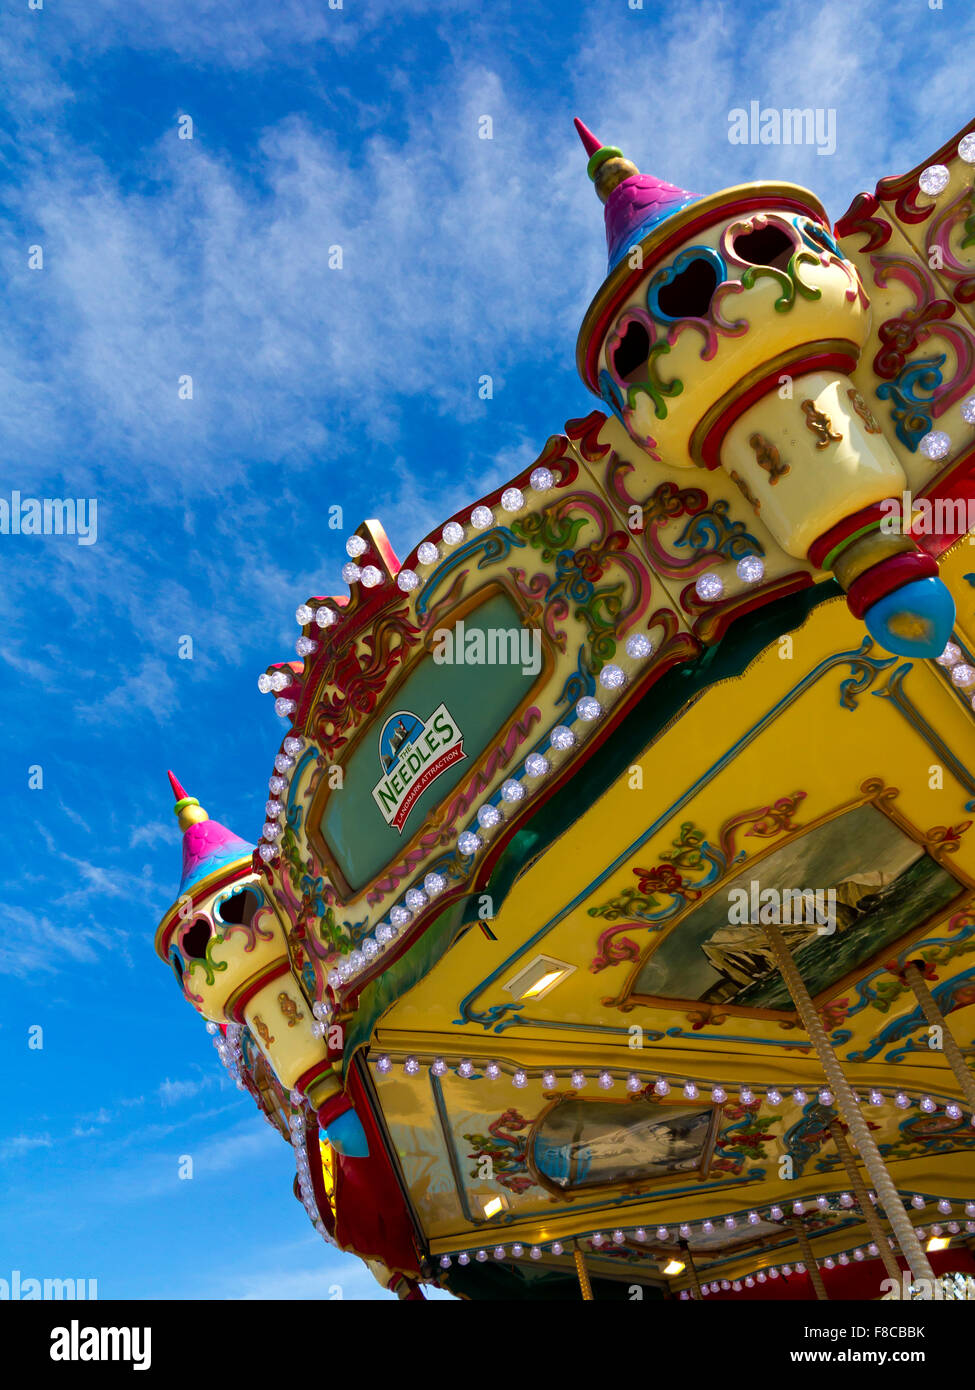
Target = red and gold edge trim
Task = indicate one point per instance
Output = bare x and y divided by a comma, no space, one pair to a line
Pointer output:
241,997
882,579
838,354
698,216
828,546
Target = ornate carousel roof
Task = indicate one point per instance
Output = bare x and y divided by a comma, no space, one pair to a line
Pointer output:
629,758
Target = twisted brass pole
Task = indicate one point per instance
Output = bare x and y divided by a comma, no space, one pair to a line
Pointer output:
583,1274
692,1270
812,1268
936,1019
846,1102
863,1200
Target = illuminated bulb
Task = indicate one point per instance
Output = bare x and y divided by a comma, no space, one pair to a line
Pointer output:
283,708
928,1105
826,1096
541,479
589,708
935,444
707,1227
750,569
618,1237
536,765
876,1098
950,656
612,677
466,1068
519,1077
746,1095
775,1213
463,1258
351,573
325,617
709,586
663,1233
354,547
685,1231
944,1206
267,852
452,533
753,1218
719,1095
371,576
535,1253
512,790
481,518
438,1066
963,675
639,1233
562,737
633,1083
548,1080
933,180
577,1080
411,1066
953,1111
512,499
557,1247
499,1252
773,1096
598,1239
822,1203
690,1090
639,646
468,843
492,1071
605,1080
730,1223
799,1096
902,1101
407,580
661,1087
305,646
427,553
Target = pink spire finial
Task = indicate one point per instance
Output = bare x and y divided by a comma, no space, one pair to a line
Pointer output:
589,140
178,791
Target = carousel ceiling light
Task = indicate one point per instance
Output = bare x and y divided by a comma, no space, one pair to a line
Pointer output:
673,1267
481,518
938,1243
538,977
541,479
452,533
492,1206
325,617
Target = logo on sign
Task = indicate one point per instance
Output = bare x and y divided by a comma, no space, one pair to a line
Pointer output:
413,754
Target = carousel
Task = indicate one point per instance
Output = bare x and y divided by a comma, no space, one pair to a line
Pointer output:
611,931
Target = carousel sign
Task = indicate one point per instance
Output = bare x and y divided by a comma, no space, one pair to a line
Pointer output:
413,754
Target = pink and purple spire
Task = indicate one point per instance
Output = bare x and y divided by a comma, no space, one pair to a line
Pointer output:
635,203
207,845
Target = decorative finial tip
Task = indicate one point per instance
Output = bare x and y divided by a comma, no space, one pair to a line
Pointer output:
589,140
178,791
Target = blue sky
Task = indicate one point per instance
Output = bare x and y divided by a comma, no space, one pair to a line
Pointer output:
312,387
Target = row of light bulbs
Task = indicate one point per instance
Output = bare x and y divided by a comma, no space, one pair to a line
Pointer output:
606,1080
686,1231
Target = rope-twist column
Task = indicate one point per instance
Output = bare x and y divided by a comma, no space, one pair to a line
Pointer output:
812,1268
863,1200
692,1271
583,1274
846,1102
936,1019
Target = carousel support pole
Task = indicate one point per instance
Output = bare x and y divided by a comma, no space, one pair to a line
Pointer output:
847,1104
936,1019
692,1271
583,1273
863,1200
805,1245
